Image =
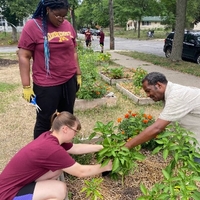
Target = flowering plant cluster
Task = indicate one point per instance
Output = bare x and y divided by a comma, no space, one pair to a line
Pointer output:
92,87
104,57
133,123
138,76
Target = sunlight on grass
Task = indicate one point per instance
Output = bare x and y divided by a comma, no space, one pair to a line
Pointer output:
6,87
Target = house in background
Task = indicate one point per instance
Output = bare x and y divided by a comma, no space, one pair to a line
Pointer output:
150,22
197,26
5,25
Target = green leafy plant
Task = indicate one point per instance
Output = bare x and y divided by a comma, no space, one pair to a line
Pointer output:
92,90
116,73
92,189
133,123
104,57
182,173
138,77
114,149
92,87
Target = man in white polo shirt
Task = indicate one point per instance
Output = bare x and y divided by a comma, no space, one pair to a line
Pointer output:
181,104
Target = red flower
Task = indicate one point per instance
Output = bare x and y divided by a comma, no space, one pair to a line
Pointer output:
145,121
126,115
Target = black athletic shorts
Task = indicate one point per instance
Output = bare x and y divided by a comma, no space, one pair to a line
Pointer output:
26,193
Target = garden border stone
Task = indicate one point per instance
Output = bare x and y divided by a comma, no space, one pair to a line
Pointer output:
136,99
111,81
81,104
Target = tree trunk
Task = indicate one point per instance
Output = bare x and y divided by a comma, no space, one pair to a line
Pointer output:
139,28
73,21
14,34
177,47
111,15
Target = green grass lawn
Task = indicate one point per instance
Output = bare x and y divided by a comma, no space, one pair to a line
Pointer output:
182,66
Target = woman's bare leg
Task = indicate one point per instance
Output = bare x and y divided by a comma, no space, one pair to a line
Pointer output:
48,188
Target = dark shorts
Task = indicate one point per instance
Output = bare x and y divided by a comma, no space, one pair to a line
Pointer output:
88,42
101,43
26,193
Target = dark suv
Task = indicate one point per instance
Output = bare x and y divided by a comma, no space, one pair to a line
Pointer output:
191,45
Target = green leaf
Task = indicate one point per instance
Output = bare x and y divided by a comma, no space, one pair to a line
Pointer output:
156,150
165,153
92,135
166,175
116,164
103,151
196,178
105,162
143,189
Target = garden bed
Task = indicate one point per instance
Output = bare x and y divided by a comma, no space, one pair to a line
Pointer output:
148,172
127,89
111,81
81,104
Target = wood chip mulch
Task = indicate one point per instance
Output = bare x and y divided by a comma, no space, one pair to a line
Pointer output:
148,172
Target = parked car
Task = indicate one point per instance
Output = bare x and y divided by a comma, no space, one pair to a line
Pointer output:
82,30
95,32
191,45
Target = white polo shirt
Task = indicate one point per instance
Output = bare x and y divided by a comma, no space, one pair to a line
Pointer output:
182,104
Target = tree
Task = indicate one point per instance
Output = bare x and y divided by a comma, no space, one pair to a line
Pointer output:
111,16
177,46
15,11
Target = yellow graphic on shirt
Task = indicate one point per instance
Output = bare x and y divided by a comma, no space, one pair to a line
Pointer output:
62,35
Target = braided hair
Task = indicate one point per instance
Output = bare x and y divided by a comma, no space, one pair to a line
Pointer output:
42,12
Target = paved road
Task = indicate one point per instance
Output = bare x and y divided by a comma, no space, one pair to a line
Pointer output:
146,46
9,49
152,46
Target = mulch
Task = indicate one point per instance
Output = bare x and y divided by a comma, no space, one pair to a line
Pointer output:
148,172
7,62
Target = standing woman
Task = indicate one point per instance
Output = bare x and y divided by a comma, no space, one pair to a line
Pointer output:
50,41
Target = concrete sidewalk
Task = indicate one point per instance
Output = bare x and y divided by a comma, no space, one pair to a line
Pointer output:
173,76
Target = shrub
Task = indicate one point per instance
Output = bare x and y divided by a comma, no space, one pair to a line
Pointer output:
133,123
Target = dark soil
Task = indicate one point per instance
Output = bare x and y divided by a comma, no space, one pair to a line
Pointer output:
148,172
7,62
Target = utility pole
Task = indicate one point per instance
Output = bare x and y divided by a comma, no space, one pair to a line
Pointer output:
111,16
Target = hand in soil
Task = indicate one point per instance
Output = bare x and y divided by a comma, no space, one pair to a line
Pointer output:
106,173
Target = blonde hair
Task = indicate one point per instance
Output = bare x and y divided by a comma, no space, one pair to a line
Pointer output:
64,119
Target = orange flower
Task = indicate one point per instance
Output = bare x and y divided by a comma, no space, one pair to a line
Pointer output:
145,121
126,115
129,111
134,114
123,132
97,92
150,117
119,120
129,139
144,115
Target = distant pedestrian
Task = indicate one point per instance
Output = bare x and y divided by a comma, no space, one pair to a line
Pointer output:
88,37
101,39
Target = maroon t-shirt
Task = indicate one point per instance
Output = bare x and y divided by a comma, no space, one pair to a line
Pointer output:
101,37
62,43
88,35
31,162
